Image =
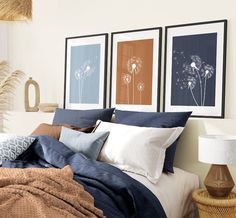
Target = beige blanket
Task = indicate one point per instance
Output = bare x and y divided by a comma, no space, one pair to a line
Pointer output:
43,193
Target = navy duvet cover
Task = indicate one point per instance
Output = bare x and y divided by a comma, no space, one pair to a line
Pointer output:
114,192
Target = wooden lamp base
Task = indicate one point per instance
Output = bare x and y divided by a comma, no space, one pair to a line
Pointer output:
218,181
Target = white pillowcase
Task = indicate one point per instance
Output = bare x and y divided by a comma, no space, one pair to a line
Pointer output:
140,150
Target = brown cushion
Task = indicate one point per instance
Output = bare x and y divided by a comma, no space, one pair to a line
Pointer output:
55,130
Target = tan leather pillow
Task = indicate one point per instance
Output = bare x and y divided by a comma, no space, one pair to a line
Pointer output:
55,130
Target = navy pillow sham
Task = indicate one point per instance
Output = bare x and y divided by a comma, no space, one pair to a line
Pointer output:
158,120
82,118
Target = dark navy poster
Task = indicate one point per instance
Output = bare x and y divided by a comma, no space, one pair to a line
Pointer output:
194,70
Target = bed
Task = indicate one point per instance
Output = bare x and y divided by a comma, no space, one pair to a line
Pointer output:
174,192
111,188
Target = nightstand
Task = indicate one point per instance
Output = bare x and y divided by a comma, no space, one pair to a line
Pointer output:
209,207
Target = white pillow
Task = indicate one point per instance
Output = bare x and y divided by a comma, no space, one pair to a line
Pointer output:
140,150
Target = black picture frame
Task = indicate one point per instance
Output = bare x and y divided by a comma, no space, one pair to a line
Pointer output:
130,36
88,54
195,68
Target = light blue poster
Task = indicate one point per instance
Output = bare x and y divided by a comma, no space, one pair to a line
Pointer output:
85,74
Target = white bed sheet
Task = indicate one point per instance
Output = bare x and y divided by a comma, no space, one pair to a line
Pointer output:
173,191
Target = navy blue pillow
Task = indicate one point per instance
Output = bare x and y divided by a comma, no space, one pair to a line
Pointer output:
82,118
158,120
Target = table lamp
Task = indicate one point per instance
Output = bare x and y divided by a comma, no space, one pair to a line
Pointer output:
218,150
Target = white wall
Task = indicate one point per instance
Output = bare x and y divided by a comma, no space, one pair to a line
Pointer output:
3,41
38,49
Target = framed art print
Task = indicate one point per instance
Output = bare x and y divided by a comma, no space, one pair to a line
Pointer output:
85,72
135,69
195,56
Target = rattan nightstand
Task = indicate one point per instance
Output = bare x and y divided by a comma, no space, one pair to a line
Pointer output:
209,207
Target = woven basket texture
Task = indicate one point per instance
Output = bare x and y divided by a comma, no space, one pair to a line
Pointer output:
209,207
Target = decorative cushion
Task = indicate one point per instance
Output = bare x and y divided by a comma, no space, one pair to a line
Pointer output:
81,118
5,136
158,120
135,149
55,130
88,144
12,146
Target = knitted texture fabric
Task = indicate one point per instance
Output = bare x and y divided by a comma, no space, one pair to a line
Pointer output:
36,192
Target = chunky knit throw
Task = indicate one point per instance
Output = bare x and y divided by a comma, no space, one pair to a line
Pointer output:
44,193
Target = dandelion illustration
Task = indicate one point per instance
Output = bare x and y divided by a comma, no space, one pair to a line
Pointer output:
196,65
207,73
196,62
189,83
134,66
192,72
126,80
187,69
140,88
81,74
178,57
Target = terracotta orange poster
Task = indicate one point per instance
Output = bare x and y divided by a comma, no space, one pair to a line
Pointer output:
134,72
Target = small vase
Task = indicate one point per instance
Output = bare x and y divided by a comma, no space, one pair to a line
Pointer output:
35,107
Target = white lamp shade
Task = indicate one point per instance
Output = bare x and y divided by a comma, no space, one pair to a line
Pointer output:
217,149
